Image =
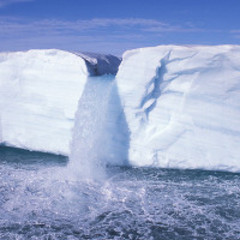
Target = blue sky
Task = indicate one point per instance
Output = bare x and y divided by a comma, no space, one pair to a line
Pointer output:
113,26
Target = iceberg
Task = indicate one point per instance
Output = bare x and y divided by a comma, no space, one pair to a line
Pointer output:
168,106
182,106
39,94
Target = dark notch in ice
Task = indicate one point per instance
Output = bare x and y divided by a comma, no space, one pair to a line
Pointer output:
100,64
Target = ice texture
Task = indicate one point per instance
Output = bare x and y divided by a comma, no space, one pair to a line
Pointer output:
169,106
182,106
39,94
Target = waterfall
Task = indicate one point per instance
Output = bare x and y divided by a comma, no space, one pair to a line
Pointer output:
87,148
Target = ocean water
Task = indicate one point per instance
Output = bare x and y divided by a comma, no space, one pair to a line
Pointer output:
40,199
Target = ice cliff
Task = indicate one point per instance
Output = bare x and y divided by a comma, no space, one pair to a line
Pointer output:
39,94
182,106
169,106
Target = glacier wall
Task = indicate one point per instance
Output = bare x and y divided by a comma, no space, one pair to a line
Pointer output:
169,106
39,94
182,106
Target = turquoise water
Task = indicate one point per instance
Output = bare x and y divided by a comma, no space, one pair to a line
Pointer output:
39,199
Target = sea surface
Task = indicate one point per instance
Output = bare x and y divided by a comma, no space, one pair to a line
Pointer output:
40,199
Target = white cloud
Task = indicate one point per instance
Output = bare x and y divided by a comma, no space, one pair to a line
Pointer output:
7,2
87,35
235,33
140,25
237,36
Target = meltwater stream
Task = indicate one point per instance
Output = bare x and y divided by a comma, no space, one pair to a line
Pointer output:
87,147
37,201
100,134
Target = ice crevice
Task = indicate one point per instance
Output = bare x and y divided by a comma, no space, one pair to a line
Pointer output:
159,85
153,91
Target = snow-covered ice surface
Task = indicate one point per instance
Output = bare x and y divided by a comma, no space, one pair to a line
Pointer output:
39,94
182,106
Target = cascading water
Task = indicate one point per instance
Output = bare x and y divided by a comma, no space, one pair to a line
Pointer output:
100,134
87,147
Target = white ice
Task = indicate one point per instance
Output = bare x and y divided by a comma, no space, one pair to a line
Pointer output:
182,106
170,106
39,93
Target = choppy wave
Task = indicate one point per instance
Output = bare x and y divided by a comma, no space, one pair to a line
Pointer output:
40,200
